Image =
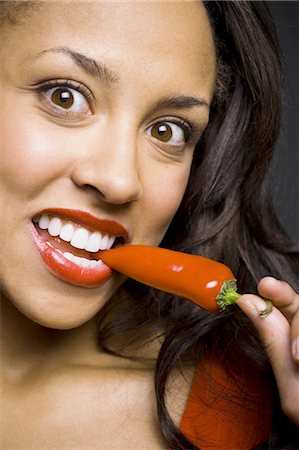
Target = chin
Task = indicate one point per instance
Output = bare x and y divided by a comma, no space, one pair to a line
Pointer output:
62,309
57,319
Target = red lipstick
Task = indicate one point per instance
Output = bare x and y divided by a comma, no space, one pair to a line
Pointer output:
67,270
89,221
62,267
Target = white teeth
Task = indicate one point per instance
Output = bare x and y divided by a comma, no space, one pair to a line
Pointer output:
104,242
55,226
80,238
94,242
77,260
93,263
111,242
43,222
68,256
83,262
67,232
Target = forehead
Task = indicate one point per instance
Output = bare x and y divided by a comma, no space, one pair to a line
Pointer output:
144,36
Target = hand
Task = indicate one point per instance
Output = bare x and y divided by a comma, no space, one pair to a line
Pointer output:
279,332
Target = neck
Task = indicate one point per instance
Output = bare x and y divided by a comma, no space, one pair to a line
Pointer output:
25,344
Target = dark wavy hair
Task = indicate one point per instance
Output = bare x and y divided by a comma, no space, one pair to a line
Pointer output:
226,214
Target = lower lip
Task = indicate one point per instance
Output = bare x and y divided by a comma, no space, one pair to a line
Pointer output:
66,270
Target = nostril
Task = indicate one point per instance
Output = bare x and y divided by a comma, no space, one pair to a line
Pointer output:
93,190
113,183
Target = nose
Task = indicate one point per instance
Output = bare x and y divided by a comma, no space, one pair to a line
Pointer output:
109,167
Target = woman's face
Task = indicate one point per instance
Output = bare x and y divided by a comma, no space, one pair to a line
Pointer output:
101,106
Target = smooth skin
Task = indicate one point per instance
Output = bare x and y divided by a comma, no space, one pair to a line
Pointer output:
58,389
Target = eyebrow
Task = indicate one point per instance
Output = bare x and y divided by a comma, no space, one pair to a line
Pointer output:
182,101
102,72
89,65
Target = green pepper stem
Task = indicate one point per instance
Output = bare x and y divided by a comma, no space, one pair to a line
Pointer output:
228,295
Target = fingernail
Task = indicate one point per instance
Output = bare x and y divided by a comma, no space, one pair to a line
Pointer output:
267,309
295,349
262,307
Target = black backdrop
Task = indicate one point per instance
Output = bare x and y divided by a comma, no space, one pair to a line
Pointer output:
284,175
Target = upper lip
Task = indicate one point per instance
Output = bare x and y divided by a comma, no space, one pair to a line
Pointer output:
91,222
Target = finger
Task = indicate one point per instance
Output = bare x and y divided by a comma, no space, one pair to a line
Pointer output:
295,337
287,300
274,328
281,294
275,331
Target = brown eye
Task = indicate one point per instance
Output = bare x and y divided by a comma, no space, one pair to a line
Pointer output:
169,132
66,99
162,132
62,97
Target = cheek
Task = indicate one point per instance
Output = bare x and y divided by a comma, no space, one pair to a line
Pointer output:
29,156
164,197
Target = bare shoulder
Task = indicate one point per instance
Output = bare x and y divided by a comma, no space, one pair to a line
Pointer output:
83,407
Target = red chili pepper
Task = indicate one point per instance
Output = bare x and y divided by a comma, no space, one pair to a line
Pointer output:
207,283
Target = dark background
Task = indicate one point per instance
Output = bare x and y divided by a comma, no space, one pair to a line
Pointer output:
284,175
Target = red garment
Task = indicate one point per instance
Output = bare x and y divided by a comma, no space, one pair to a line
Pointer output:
222,414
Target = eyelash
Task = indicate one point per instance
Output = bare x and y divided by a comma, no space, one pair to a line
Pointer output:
77,86
186,127
190,130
